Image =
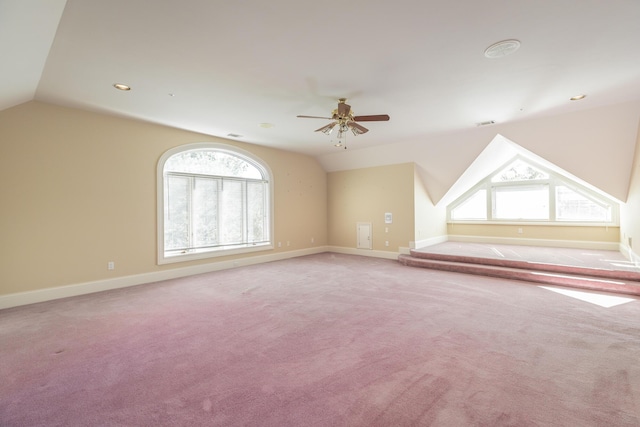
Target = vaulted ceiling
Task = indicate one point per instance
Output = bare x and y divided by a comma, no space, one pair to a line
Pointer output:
249,67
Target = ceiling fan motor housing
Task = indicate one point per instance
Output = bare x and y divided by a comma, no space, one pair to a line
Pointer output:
343,116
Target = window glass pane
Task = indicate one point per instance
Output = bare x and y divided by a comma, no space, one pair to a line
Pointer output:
176,212
231,212
475,207
256,215
573,206
522,202
205,212
519,171
208,162
213,201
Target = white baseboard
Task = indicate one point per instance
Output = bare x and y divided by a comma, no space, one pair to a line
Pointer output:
635,258
630,255
42,295
428,242
580,244
363,252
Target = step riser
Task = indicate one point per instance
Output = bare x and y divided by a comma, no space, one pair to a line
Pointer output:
563,269
547,278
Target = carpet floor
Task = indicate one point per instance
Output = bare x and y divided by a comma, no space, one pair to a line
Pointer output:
322,340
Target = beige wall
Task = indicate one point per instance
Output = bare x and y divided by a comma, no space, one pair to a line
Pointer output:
365,195
78,189
542,232
630,212
431,221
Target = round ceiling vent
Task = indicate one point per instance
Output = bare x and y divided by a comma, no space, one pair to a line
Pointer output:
502,49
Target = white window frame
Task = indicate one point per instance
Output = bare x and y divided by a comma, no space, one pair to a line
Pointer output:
261,165
554,180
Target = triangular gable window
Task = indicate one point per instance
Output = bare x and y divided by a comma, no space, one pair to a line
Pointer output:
525,191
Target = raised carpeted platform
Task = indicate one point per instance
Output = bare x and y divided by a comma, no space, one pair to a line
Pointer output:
599,270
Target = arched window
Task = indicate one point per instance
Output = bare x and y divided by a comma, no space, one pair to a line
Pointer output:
522,191
213,200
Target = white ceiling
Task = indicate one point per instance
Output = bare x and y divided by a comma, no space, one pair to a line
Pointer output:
232,65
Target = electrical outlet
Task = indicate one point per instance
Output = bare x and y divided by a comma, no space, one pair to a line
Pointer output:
386,243
279,244
520,230
111,265
313,240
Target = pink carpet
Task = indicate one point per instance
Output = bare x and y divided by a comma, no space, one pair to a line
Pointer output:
323,340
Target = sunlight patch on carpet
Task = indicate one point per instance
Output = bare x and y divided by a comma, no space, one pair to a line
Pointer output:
584,279
602,300
497,252
625,265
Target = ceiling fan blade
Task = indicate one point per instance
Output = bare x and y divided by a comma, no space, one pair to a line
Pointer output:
327,128
373,118
314,117
343,109
357,129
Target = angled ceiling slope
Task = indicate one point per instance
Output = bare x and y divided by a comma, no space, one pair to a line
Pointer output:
27,31
247,68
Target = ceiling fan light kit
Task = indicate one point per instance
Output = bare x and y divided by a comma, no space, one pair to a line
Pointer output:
345,121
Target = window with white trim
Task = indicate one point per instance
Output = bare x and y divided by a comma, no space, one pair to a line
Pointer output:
522,191
213,200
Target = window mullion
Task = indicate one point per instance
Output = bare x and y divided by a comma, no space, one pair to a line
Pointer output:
552,200
245,215
219,184
490,198
191,213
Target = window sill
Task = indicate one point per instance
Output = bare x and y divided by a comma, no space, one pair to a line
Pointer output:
218,252
539,223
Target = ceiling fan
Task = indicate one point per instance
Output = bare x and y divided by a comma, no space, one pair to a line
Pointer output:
345,120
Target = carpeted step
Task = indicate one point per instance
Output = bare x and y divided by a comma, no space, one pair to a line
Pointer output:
622,275
557,278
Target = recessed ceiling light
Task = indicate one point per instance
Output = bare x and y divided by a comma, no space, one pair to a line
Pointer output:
266,125
502,49
578,97
121,86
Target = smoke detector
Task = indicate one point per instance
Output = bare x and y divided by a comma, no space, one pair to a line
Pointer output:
502,49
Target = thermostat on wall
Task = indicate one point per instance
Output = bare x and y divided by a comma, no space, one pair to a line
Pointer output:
388,218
